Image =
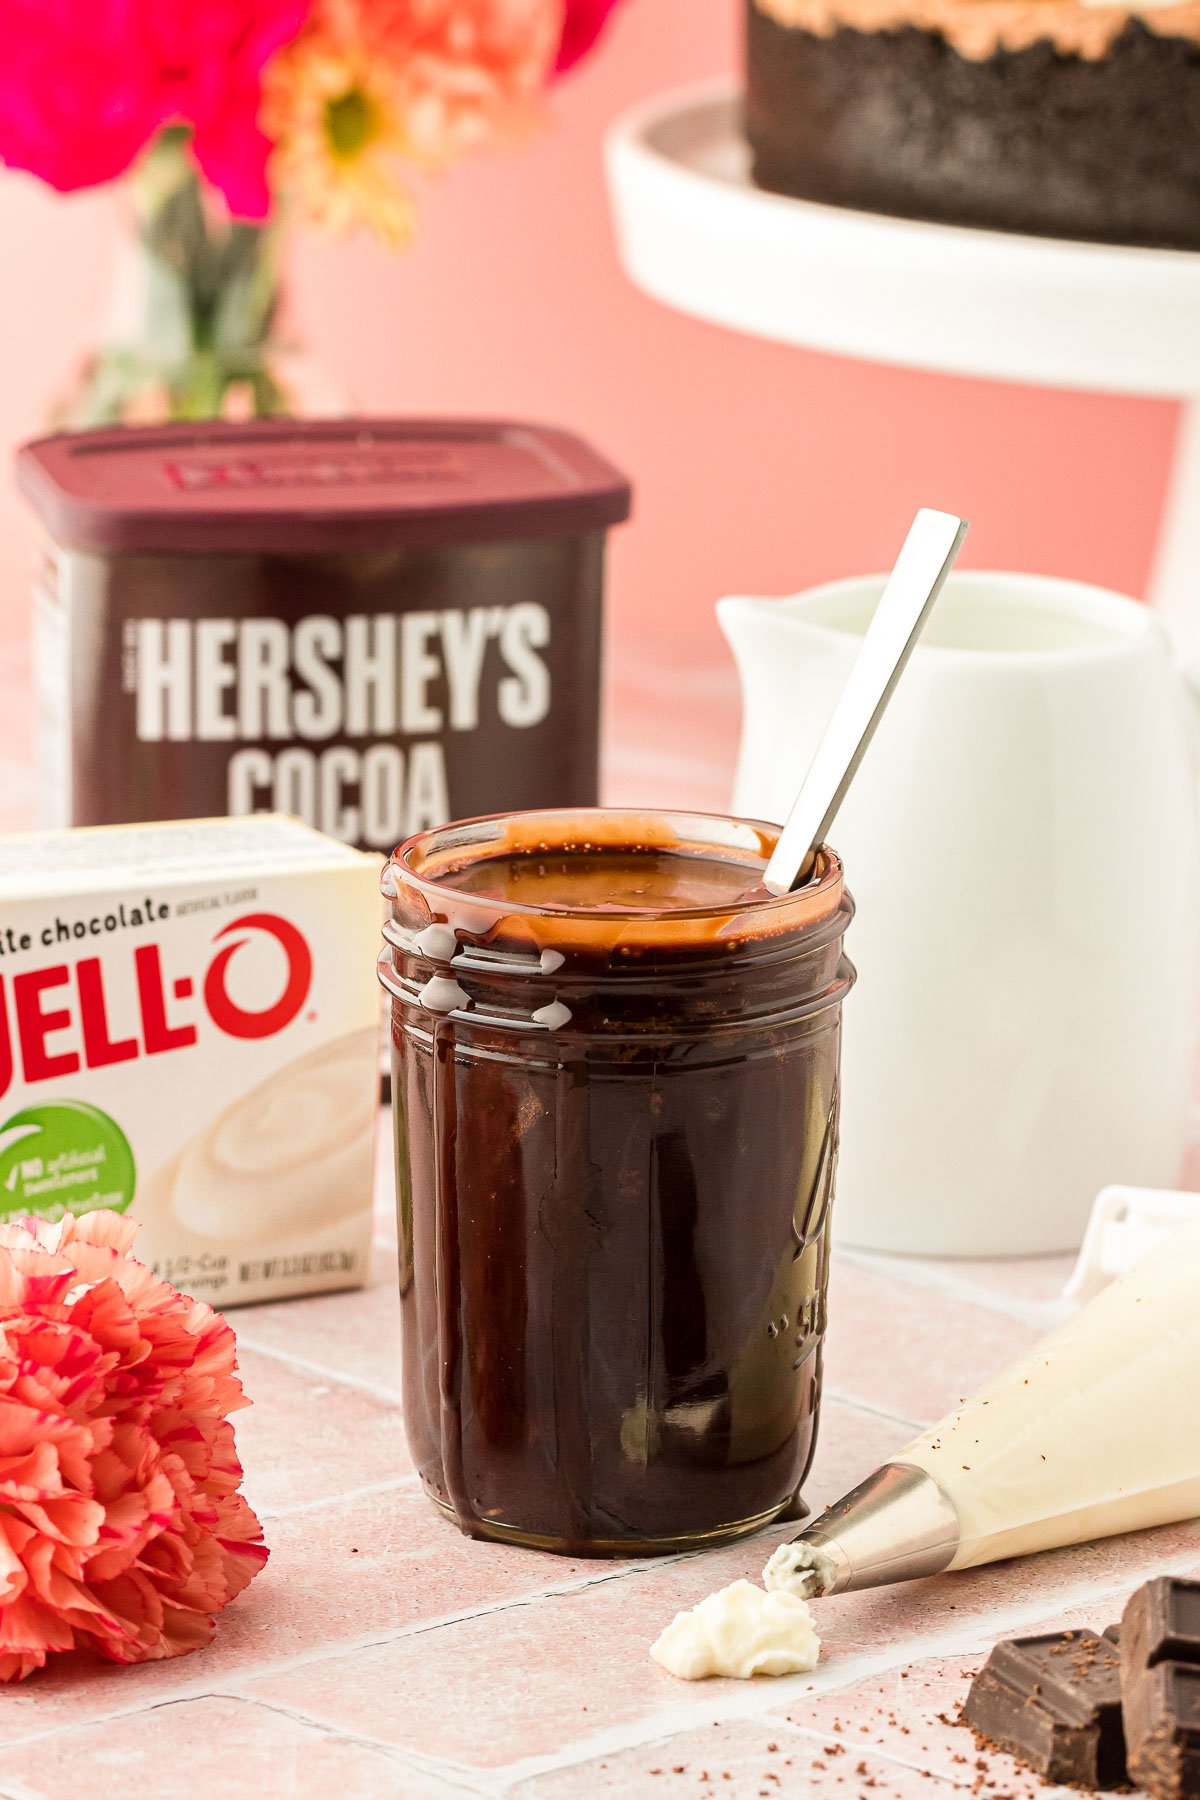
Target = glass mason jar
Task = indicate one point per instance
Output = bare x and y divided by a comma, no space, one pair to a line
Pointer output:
615,1078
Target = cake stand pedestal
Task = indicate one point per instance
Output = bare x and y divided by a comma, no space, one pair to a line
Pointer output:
696,234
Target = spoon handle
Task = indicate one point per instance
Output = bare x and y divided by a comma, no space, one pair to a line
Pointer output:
916,581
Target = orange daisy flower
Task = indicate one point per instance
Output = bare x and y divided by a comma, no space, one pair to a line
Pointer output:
371,85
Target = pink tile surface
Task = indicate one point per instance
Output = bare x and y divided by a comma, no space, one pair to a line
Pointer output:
910,1717
353,1339
1032,1284
592,1646
382,1652
213,1746
737,1762
589,1646
850,1443
307,1437
911,1349
1022,1280
340,1576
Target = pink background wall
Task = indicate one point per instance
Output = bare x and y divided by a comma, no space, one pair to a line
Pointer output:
758,468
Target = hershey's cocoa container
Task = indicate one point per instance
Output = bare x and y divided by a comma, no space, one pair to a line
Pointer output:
377,625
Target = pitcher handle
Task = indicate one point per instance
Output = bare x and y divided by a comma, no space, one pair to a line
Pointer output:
1190,675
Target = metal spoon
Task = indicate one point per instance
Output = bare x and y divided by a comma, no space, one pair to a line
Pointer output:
914,584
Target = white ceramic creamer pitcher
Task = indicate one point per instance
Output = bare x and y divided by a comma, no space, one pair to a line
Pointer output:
1023,844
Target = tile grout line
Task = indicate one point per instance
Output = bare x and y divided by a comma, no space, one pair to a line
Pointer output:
783,1728
320,1653
819,1740
442,1768
306,1366
1040,1313
1044,1791
851,1745
399,1755
966,1637
841,1398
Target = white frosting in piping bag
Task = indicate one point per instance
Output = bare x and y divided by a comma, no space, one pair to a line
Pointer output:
740,1632
1095,1431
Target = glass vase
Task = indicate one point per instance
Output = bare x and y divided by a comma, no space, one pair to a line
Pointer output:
195,330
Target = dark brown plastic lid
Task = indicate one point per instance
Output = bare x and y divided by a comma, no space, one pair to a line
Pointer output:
317,485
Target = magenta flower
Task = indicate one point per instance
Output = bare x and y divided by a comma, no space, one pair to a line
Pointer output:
583,22
85,85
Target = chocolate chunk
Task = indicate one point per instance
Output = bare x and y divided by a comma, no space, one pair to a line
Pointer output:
1162,1623
1113,1633
1162,1719
1054,1703
1160,1679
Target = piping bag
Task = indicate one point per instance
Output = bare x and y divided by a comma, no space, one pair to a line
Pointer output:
1095,1431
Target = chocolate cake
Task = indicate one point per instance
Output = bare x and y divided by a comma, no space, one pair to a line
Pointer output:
1062,118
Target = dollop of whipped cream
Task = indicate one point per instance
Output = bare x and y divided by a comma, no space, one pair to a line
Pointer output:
740,1632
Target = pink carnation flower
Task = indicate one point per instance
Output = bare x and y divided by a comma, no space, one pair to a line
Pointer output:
85,85
122,1530
582,25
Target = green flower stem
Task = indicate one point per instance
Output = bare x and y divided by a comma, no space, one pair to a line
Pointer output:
209,312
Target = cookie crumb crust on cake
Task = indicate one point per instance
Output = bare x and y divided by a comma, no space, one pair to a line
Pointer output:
978,28
1053,117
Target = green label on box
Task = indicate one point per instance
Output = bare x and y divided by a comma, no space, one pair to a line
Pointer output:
63,1157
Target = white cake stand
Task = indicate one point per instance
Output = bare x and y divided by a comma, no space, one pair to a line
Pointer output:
696,234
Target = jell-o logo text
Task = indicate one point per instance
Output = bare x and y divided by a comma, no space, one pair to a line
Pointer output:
64,1017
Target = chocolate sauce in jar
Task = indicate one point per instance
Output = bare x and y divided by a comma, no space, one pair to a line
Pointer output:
615,1069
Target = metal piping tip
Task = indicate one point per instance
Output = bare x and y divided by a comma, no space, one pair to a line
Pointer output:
897,1525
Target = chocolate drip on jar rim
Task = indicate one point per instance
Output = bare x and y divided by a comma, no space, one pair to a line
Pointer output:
443,876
